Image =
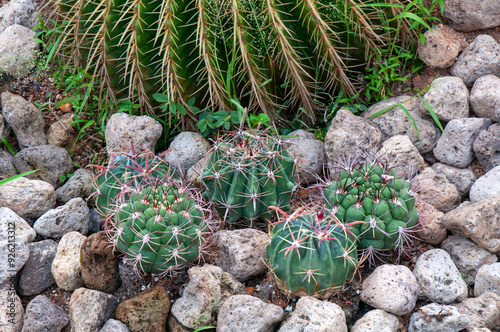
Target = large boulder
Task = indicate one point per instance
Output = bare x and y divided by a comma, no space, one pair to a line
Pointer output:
471,15
478,59
25,120
18,51
349,134
479,222
123,131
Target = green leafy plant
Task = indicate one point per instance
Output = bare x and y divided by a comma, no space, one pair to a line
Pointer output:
311,253
247,172
271,55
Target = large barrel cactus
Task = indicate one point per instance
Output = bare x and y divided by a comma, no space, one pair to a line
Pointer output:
272,54
158,226
125,171
311,253
372,196
247,173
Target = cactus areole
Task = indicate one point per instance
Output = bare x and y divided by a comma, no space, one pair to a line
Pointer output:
248,172
382,205
311,254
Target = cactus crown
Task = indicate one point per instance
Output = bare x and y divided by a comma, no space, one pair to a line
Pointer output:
248,172
311,253
368,194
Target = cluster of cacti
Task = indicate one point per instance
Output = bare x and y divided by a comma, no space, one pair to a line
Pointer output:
382,204
270,53
311,253
124,171
158,225
156,222
247,173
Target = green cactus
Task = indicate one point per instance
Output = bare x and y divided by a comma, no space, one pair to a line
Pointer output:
311,253
126,170
248,172
274,54
382,204
158,226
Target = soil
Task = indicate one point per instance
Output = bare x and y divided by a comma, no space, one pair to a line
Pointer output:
40,88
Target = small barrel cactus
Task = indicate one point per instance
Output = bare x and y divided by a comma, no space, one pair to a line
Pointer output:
311,253
159,226
124,171
248,172
372,196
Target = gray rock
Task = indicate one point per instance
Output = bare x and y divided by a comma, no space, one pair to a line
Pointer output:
242,252
7,168
392,288
15,234
4,128
96,221
25,120
480,58
309,153
51,162
248,313
455,146
18,51
311,314
72,216
376,321
439,49
486,186
435,189
193,174
479,222
461,178
487,147
482,311
66,267
396,122
467,256
448,97
186,150
28,198
61,132
36,274
470,15
79,185
400,149
485,97
113,325
203,296
123,130
12,313
90,309
349,134
487,279
480,329
431,231
437,317
22,12
43,315
439,278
